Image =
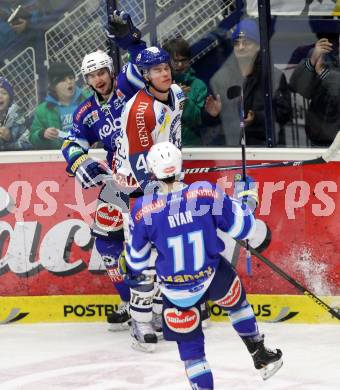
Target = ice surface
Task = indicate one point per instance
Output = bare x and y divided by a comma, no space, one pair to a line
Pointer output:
88,357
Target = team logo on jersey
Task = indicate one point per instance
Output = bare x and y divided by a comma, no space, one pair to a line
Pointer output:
149,208
75,129
95,116
74,151
111,126
175,131
108,217
180,95
140,124
200,276
91,118
233,295
82,110
182,321
111,265
202,193
115,276
120,94
162,115
105,108
118,103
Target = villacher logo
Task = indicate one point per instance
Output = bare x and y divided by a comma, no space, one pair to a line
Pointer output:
182,321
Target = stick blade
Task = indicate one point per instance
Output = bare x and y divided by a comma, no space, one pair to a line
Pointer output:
333,149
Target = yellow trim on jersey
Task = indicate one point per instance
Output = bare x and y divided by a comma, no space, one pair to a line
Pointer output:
79,161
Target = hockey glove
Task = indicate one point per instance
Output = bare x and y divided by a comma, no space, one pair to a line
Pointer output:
88,172
246,191
121,30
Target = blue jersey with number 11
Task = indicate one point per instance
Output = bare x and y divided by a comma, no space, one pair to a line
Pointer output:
182,225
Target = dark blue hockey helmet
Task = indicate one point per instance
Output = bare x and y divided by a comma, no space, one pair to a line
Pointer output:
152,56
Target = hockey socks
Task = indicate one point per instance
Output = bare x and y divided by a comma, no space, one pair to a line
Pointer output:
199,374
267,361
110,251
196,366
123,290
243,320
143,335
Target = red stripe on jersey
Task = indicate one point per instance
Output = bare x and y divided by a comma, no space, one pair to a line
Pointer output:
141,121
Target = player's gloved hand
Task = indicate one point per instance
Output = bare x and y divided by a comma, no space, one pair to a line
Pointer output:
246,191
121,29
90,173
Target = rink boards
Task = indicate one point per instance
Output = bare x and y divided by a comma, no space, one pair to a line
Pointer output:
89,308
50,272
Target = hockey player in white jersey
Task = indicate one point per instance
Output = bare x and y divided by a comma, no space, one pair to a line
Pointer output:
153,115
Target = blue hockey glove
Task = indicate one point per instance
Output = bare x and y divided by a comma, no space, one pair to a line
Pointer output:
121,29
90,173
246,191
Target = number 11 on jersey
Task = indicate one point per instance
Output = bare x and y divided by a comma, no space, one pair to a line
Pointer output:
182,245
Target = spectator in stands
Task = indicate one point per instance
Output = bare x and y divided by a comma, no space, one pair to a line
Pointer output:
243,68
53,118
20,23
13,130
198,107
322,27
318,78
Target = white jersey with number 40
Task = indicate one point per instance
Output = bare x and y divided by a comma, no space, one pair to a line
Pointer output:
147,121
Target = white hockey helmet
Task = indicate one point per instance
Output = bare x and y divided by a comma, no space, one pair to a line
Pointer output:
164,160
96,60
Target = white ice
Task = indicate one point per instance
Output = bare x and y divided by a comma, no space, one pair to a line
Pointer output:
88,357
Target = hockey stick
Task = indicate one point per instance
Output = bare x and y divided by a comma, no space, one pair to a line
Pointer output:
114,50
324,158
233,92
292,281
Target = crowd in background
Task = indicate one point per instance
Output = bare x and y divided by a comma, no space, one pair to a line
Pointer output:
210,117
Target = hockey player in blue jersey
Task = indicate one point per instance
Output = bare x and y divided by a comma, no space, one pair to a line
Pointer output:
98,119
181,222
